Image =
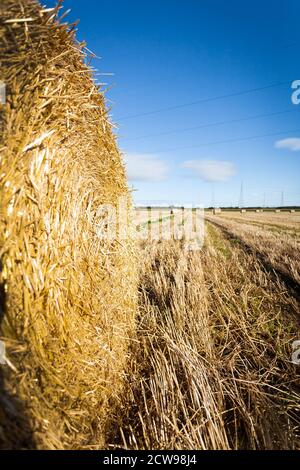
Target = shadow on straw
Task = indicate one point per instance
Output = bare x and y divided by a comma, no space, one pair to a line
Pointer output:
15,429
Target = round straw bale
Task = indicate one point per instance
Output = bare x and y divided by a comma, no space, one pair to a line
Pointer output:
68,291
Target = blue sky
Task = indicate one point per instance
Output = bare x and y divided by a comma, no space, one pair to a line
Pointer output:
170,53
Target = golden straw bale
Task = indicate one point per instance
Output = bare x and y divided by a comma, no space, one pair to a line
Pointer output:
68,293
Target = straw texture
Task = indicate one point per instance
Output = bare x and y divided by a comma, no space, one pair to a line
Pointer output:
67,294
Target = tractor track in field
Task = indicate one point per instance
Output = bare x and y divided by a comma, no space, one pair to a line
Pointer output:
292,231
280,274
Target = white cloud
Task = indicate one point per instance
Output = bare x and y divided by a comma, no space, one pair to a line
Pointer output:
292,144
211,170
145,167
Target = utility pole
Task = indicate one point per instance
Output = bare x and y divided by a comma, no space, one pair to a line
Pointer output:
212,196
241,198
282,199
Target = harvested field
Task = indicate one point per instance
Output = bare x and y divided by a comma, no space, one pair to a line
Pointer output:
179,335
282,220
212,369
278,245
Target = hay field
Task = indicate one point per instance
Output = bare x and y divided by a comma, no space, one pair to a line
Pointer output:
212,368
284,219
155,343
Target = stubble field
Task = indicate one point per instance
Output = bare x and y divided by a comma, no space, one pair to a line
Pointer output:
212,365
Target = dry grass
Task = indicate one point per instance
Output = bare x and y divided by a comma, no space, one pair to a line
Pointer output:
67,295
212,367
276,246
283,220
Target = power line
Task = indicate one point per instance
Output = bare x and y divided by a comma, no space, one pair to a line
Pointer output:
213,124
240,139
203,100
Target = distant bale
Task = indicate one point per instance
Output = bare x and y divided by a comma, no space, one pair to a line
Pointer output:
292,211
243,211
217,210
277,210
68,292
